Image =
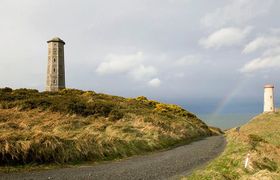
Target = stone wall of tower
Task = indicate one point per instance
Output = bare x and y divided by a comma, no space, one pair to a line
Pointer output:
269,99
56,69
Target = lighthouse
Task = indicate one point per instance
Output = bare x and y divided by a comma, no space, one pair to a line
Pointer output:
56,69
269,98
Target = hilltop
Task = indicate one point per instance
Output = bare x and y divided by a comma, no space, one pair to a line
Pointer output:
72,126
260,137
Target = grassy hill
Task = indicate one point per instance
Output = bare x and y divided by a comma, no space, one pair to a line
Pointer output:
261,138
73,126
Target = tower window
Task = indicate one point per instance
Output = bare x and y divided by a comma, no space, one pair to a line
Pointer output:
54,81
54,60
53,69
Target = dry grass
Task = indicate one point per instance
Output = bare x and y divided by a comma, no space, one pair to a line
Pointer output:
41,136
260,138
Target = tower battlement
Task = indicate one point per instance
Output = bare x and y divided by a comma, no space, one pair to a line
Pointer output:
56,69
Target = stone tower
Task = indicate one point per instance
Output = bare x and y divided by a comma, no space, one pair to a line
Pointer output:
56,69
268,98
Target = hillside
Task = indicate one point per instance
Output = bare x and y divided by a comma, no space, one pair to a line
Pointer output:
72,126
261,138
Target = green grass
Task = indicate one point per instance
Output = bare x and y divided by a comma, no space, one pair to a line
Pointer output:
73,126
260,138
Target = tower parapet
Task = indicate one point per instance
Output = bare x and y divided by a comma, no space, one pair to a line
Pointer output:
269,98
56,69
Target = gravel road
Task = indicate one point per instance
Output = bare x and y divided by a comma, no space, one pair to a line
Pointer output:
170,164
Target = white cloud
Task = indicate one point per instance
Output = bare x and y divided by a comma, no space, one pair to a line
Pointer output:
261,42
265,62
187,60
129,64
270,58
143,72
272,51
225,37
154,82
115,63
236,12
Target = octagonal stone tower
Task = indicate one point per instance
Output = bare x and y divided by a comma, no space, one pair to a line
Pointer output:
269,98
56,69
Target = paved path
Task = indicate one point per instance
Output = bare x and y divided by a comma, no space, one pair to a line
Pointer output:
162,165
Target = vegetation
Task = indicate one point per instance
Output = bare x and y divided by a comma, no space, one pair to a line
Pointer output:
261,139
73,126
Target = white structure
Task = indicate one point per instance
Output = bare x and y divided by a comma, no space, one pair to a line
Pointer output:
268,98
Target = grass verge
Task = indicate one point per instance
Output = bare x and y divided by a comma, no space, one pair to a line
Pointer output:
261,139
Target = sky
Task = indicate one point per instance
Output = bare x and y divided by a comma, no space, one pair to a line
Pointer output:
207,56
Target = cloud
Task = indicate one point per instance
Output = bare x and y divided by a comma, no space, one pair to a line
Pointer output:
262,63
187,60
236,12
272,51
261,42
154,82
115,63
270,58
124,29
225,37
275,31
129,64
143,72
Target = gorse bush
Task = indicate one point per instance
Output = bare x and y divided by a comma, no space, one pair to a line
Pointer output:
84,103
171,108
64,101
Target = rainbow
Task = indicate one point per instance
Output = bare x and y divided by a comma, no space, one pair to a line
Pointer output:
223,103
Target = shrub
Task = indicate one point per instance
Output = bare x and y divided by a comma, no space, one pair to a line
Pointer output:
25,91
43,103
71,91
83,103
115,115
21,94
6,97
5,90
255,140
266,163
100,108
142,98
6,105
77,107
28,104
153,103
88,93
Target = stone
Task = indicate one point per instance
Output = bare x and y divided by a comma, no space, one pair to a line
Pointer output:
56,68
